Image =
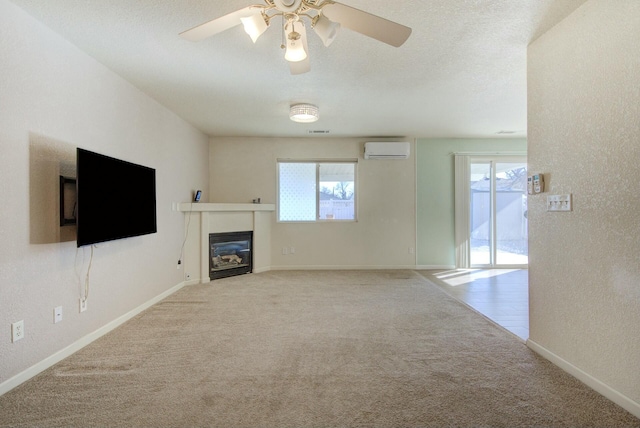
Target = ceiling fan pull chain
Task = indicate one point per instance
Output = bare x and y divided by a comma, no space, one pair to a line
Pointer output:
283,42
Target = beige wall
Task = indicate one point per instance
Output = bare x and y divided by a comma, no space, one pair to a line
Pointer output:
54,98
584,135
242,169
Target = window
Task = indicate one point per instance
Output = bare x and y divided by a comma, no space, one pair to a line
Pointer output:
316,191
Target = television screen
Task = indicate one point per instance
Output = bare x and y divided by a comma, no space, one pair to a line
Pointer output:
115,199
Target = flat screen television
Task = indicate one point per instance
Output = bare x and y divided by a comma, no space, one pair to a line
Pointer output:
115,199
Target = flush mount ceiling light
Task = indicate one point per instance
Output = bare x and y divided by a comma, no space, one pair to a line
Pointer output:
325,17
304,113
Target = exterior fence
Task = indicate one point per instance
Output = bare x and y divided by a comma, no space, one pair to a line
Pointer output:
511,219
337,209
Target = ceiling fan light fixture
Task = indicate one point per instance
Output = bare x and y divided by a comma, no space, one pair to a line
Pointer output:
325,17
295,44
255,25
304,113
326,29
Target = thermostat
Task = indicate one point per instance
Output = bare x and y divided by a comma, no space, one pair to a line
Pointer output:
535,184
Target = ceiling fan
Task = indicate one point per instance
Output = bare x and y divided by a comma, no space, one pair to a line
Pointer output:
325,17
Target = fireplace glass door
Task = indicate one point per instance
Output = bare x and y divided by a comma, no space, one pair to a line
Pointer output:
230,254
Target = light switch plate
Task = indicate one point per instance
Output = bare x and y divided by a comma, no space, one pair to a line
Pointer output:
57,314
559,203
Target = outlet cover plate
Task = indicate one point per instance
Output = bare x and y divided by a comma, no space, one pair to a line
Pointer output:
17,331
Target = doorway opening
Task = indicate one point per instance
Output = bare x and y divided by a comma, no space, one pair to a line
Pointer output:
498,213
491,226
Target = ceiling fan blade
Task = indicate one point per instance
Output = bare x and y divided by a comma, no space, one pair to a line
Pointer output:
365,23
217,25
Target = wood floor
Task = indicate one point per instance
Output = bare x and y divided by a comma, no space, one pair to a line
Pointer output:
501,295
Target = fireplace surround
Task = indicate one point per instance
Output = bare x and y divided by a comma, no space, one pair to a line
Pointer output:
203,218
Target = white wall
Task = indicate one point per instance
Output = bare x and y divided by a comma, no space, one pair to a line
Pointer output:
584,135
54,98
245,168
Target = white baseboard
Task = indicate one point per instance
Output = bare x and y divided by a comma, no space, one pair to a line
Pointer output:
329,267
342,267
435,267
27,374
595,384
338,267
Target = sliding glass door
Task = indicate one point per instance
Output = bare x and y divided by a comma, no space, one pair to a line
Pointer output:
497,212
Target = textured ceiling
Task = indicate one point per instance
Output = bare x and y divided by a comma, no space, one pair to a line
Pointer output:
462,73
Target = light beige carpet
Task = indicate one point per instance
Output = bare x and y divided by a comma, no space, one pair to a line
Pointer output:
308,349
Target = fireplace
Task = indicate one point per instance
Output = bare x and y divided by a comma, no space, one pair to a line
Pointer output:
230,254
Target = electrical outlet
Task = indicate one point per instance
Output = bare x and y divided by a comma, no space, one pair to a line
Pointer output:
57,314
412,250
83,305
17,331
285,251
187,276
293,250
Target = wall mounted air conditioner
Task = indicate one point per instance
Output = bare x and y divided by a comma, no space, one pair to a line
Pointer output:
384,150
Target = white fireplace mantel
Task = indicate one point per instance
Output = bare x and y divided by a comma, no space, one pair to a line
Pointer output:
213,207
219,218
